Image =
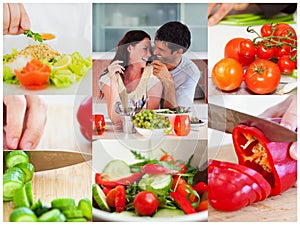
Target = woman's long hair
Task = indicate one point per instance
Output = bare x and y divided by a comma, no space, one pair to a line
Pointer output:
130,38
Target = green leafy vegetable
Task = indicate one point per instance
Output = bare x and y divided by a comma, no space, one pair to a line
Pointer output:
8,76
8,57
35,36
62,78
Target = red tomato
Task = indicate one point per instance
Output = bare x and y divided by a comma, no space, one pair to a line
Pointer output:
264,51
240,49
84,118
177,181
227,74
286,65
34,75
283,50
182,125
262,76
202,206
266,30
186,190
145,203
182,167
286,31
111,198
167,158
200,187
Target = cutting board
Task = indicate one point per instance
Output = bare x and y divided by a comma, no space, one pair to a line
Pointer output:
61,132
274,209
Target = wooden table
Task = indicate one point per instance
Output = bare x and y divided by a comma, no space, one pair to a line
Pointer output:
274,209
61,132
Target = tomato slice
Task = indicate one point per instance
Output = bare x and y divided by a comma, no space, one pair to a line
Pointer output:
34,75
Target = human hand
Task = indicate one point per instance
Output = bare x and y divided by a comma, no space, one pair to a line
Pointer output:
161,71
24,121
114,69
287,111
223,10
15,18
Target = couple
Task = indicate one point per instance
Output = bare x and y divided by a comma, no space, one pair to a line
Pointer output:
169,81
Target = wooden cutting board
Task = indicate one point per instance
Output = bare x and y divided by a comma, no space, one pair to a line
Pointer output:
274,209
68,182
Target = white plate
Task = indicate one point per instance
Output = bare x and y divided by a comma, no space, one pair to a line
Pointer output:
197,126
155,133
107,150
67,46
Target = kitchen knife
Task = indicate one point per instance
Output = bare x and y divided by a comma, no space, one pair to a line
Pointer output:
53,159
224,119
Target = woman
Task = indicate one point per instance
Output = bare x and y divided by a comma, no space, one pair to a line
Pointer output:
129,76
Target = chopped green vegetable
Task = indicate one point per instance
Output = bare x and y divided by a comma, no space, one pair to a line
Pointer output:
8,57
35,36
62,78
8,76
22,214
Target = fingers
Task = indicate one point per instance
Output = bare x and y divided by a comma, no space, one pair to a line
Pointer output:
210,7
15,18
220,13
35,122
6,18
115,68
293,151
15,113
289,118
25,21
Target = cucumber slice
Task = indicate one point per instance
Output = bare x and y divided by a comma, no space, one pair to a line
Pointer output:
16,172
116,169
86,207
29,193
159,184
28,169
100,197
15,157
75,213
22,214
20,198
169,213
77,220
54,215
11,183
63,204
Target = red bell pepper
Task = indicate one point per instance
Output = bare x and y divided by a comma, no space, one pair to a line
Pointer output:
120,201
135,177
271,159
183,202
229,189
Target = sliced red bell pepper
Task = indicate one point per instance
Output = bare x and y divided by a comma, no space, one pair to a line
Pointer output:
202,206
230,190
183,202
271,159
135,177
120,198
260,183
157,169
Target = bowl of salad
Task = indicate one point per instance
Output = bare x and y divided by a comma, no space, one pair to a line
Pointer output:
158,185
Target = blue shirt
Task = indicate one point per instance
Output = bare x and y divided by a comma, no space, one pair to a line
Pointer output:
186,76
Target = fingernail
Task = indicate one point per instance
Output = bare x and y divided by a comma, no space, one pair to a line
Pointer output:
293,151
27,146
14,143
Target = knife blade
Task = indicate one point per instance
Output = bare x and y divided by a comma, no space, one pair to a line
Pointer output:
53,159
224,119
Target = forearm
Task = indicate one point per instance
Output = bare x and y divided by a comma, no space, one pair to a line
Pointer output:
112,96
170,101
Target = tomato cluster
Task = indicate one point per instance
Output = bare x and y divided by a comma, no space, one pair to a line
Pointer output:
272,53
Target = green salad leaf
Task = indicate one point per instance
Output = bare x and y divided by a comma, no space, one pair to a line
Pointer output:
8,76
8,57
62,78
80,66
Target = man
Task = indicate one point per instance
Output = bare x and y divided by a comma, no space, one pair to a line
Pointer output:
178,74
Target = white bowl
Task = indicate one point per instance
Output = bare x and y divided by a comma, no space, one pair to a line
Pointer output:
155,133
109,149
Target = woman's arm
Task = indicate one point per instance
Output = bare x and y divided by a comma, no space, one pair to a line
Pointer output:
154,95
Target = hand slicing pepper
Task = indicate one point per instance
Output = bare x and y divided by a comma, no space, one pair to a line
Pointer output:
271,159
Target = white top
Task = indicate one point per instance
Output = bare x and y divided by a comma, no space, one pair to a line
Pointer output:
148,81
186,76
